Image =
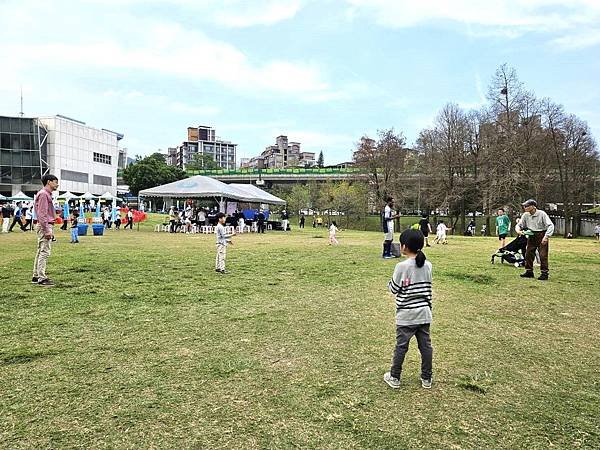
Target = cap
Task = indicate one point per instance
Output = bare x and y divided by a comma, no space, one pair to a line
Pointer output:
530,202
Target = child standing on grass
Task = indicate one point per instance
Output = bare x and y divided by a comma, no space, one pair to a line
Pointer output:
223,239
74,229
411,285
333,229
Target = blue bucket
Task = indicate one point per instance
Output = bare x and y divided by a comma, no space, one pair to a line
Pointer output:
82,229
98,229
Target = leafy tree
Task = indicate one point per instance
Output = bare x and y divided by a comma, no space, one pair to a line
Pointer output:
321,160
200,161
149,172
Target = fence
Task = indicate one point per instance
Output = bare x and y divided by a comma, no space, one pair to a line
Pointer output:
587,225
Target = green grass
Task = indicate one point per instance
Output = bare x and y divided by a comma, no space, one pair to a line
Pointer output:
142,345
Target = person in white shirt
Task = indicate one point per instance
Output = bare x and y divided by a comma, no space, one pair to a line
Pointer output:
388,227
333,229
597,232
442,229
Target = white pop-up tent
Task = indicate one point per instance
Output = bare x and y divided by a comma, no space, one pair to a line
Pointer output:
68,196
194,187
20,197
258,194
201,187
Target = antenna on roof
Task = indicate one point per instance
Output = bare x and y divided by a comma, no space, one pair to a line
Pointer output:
21,113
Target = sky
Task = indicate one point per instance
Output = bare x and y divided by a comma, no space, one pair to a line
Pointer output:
322,72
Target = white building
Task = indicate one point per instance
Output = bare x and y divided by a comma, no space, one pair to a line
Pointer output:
85,159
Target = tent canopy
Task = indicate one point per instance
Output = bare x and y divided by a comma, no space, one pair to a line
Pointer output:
194,187
260,196
88,196
200,186
67,196
108,196
20,197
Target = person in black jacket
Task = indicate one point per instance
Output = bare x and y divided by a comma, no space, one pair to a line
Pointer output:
260,219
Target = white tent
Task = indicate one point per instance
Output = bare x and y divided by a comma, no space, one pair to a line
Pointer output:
195,187
109,197
67,196
20,197
2,197
200,186
88,196
258,194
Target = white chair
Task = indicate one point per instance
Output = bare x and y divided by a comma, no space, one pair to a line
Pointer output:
157,227
164,228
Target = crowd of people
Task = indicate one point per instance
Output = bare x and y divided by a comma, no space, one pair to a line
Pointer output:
19,214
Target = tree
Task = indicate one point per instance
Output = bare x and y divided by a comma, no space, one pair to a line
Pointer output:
384,161
149,172
321,160
201,161
299,198
575,157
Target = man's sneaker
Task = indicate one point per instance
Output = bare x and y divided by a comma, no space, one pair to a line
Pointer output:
528,274
392,382
46,283
218,270
388,257
426,383
34,280
543,276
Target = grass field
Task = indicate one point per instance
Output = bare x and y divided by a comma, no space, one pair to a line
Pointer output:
142,345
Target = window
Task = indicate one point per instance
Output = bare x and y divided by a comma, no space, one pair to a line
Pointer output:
69,175
102,158
105,181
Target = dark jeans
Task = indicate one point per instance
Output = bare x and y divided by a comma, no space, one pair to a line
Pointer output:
261,227
535,243
403,336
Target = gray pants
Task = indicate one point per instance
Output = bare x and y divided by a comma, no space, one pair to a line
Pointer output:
220,259
403,336
42,254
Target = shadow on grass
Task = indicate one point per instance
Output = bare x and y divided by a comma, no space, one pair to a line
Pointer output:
23,356
479,278
478,383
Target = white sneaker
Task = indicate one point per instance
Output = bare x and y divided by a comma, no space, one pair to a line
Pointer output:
392,382
426,384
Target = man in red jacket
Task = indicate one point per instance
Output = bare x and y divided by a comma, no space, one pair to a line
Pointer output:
44,209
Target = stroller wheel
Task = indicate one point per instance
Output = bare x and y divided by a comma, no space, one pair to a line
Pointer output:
517,265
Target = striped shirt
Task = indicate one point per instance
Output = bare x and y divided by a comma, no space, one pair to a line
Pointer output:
411,286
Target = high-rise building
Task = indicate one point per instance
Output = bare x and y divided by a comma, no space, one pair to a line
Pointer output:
203,140
281,155
85,159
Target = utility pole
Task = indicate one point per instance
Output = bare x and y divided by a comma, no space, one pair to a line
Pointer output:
21,113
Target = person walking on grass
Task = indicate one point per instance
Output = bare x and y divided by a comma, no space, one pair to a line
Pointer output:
538,227
6,213
425,228
388,227
502,226
301,221
411,286
597,232
129,220
74,229
441,231
333,229
223,240
44,210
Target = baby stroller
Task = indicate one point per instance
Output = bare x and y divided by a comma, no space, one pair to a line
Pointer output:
513,252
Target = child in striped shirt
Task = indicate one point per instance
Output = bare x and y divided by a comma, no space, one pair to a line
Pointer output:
411,286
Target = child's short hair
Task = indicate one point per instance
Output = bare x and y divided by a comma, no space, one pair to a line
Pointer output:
333,222
219,215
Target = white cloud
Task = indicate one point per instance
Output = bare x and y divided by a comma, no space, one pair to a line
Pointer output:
578,40
225,13
509,18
